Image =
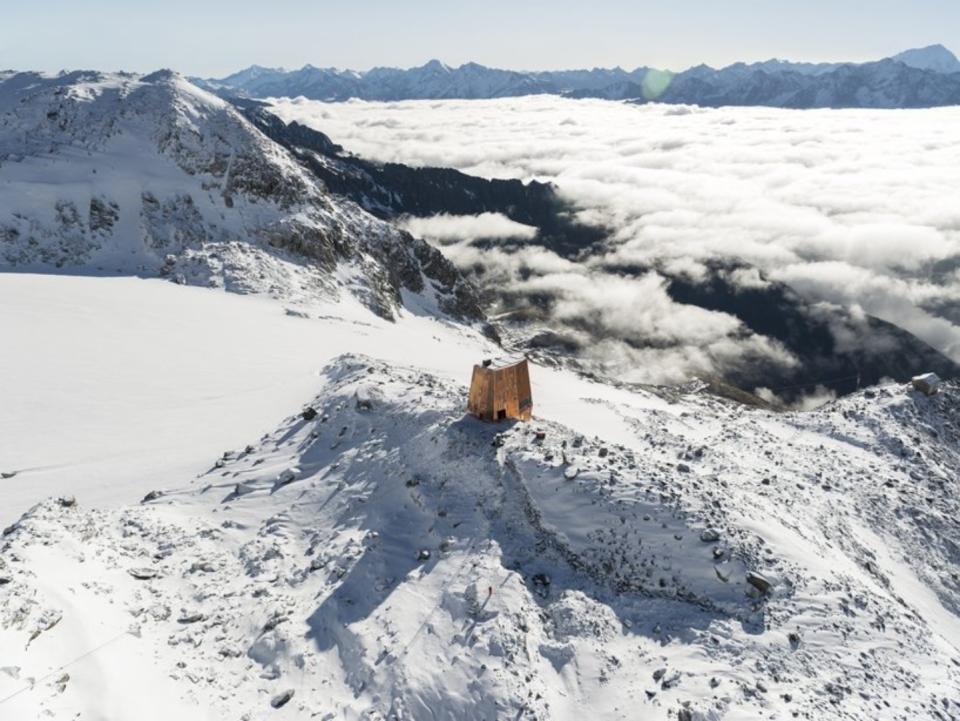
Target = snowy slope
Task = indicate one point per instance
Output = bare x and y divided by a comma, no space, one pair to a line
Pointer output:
388,557
123,174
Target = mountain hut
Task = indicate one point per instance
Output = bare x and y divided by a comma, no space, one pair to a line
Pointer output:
500,389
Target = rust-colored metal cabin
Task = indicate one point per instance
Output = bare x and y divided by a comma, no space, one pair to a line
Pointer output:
500,389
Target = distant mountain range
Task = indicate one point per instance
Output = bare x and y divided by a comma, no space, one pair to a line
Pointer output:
924,77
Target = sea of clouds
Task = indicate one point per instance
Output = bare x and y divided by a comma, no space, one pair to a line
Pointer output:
859,208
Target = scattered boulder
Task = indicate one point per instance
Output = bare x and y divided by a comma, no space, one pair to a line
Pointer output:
927,383
282,699
759,582
143,574
423,555
67,501
151,496
287,476
541,579
202,567
308,413
364,399
191,618
7,474
61,683
709,535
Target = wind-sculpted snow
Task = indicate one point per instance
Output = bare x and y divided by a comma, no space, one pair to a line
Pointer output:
380,555
118,173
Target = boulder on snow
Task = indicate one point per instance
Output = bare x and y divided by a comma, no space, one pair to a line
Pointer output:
423,555
7,474
927,383
364,398
759,582
287,476
281,699
308,413
708,535
143,574
67,501
151,496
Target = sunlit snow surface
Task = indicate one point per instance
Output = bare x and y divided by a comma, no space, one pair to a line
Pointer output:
392,558
855,207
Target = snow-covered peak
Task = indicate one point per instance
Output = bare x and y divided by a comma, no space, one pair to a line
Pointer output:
114,172
933,57
435,66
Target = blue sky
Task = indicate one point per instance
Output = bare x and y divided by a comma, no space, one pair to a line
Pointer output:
215,37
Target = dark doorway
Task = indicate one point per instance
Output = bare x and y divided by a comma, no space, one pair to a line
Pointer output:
501,415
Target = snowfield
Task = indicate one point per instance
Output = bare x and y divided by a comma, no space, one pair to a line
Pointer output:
326,535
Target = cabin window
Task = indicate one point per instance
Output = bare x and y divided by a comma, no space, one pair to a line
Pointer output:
501,414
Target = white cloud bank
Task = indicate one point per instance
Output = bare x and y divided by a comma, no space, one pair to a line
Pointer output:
453,228
855,207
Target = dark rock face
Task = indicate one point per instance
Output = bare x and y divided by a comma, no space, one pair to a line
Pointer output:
872,349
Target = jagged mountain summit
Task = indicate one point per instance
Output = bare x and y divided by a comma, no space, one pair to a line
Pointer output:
150,175
925,77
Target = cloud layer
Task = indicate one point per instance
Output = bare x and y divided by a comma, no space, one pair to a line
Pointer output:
858,208
451,228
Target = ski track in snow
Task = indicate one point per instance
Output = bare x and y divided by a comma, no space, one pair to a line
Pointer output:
392,558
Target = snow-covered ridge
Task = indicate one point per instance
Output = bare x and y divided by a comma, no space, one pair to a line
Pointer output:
119,173
380,555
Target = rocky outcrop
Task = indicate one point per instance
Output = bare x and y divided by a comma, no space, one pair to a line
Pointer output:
173,181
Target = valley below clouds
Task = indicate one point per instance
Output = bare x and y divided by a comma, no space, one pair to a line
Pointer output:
850,208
